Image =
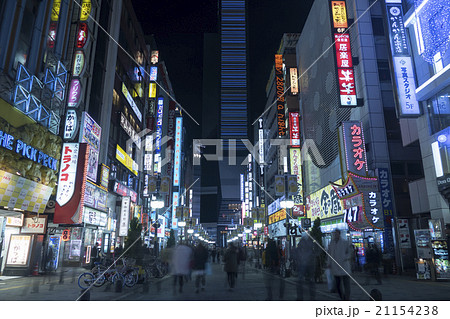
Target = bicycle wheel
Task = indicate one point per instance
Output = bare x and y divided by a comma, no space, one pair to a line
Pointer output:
117,276
131,279
99,280
86,280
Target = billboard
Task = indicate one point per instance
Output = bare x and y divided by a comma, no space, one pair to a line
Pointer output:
130,100
177,159
324,203
354,147
296,169
71,184
279,85
126,160
90,133
294,129
124,216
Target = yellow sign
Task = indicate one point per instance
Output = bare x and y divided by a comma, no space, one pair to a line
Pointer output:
324,203
86,7
55,10
339,14
152,90
125,159
276,217
22,193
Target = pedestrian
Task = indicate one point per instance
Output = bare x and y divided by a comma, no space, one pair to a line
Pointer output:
213,254
272,259
231,265
94,254
340,254
373,260
305,255
199,266
218,255
181,265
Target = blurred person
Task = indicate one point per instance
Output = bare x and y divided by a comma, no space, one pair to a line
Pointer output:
181,265
340,252
373,258
272,259
199,265
213,254
305,255
231,265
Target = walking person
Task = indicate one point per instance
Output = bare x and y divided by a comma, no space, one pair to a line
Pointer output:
213,254
272,258
373,258
340,252
305,255
200,260
181,265
231,265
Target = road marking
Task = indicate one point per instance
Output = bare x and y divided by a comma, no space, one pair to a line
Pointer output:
14,287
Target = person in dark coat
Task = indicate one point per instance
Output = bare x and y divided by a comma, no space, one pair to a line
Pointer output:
373,258
231,265
305,255
200,260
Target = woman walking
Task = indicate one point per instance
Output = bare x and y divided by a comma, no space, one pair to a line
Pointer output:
231,265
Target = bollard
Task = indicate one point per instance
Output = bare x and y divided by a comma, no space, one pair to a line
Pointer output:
119,285
85,295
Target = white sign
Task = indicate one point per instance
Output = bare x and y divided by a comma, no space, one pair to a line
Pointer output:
130,130
67,173
261,147
124,216
34,225
94,217
71,124
148,158
149,143
19,248
177,160
131,101
406,86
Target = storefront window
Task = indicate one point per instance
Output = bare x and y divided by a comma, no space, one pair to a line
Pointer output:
26,32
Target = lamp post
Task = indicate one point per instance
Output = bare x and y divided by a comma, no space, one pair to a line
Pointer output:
156,204
287,204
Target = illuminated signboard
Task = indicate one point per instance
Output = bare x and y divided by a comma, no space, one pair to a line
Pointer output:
175,204
388,208
149,143
296,169
165,185
397,30
152,90
324,203
126,160
78,63
94,217
104,176
91,133
55,10
121,189
154,57
145,191
152,183
153,73
279,83
294,81
294,128
82,35
130,100
406,86
177,159
71,184
126,125
148,159
124,216
159,120
339,14
261,142
277,216
242,186
71,124
86,7
19,250
8,142
51,39
344,63
354,147
74,98
35,225
21,193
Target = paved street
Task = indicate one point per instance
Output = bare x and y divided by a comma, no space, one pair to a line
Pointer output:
250,287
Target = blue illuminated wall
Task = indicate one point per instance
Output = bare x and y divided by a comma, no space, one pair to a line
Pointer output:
233,92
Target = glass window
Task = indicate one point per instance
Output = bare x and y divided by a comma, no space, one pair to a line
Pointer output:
377,26
384,73
439,107
26,32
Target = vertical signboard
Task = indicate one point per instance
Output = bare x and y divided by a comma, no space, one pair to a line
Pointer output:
279,84
175,204
404,237
71,184
90,133
177,159
294,81
261,142
354,147
388,209
294,129
404,78
346,74
124,216
159,123
296,169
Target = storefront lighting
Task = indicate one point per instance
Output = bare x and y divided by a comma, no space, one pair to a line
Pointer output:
197,235
240,235
287,203
190,231
181,224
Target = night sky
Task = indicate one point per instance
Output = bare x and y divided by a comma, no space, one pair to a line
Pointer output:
178,27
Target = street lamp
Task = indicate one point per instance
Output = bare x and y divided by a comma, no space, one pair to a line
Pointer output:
157,204
287,203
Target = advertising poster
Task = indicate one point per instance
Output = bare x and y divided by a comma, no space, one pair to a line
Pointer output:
54,243
90,134
75,249
19,250
423,237
441,262
95,197
403,233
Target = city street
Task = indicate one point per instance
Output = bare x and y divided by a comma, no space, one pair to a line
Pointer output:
250,287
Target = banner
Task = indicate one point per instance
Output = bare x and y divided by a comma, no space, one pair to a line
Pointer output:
90,133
